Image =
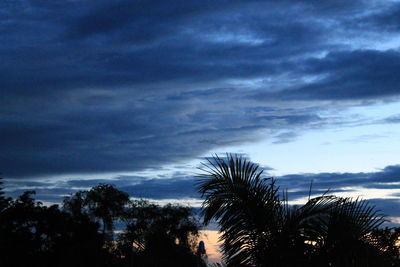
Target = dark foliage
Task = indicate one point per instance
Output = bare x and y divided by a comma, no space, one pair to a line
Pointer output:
161,236
32,234
103,202
36,235
260,229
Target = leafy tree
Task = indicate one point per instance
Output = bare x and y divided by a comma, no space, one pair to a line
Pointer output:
260,229
103,201
161,236
35,235
75,204
107,203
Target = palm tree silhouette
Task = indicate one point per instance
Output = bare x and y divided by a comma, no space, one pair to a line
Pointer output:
261,229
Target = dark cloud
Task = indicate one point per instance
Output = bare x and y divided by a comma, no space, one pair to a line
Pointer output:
52,195
387,206
299,184
118,181
127,137
136,186
130,85
164,189
28,184
349,75
285,137
387,19
390,174
179,185
393,119
145,20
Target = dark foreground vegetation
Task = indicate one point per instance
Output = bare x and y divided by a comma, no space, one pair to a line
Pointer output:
259,227
80,233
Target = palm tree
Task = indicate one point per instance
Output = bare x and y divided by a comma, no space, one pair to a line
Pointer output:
261,229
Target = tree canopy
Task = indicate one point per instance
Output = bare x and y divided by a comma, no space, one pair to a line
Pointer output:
32,234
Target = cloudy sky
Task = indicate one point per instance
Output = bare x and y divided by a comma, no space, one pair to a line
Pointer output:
137,93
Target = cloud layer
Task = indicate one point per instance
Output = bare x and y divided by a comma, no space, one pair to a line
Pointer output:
129,85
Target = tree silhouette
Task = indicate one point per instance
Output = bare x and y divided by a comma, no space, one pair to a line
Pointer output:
35,235
161,236
104,202
32,234
75,204
107,203
260,229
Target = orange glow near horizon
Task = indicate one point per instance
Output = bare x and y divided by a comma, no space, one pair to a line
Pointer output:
210,238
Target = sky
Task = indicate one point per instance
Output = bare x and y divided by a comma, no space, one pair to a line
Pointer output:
138,93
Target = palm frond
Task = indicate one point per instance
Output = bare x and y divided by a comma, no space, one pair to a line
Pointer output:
257,226
246,206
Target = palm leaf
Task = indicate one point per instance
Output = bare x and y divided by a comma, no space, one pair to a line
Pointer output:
245,206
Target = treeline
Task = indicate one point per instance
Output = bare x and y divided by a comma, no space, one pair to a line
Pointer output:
81,231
